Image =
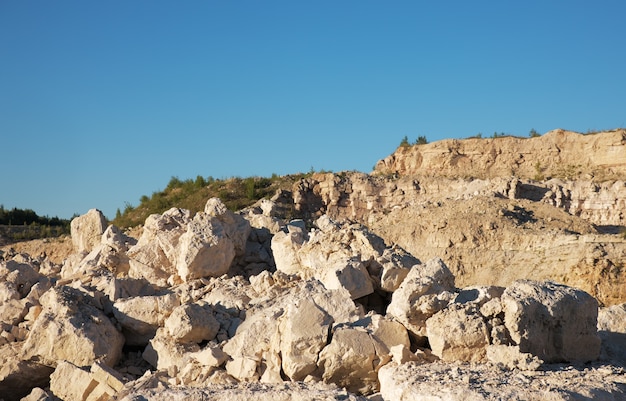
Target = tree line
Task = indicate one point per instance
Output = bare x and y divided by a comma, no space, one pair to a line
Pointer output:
19,217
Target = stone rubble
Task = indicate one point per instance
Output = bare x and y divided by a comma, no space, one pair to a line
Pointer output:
215,306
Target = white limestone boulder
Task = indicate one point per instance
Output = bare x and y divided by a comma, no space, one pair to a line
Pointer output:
70,328
141,316
19,376
192,323
87,230
71,382
358,350
237,228
427,289
270,328
612,331
154,255
510,357
163,353
204,249
458,333
340,255
554,322
304,330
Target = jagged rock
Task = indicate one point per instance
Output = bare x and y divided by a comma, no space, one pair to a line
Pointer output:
192,323
18,376
346,256
427,289
554,322
38,394
287,391
141,316
480,382
70,328
255,350
154,256
358,350
175,247
236,227
510,357
458,333
163,352
612,331
87,230
71,382
205,249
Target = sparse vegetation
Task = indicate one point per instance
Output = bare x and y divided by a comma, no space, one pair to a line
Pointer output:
237,193
533,133
539,169
404,143
24,224
421,140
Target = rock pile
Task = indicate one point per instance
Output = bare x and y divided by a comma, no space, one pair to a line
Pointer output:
222,305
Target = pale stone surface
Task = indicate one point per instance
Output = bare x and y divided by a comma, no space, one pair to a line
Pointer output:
612,331
163,352
18,376
70,328
510,357
304,331
551,321
458,333
87,230
70,382
192,323
38,394
204,249
427,289
247,391
358,350
255,349
237,228
479,382
141,316
341,256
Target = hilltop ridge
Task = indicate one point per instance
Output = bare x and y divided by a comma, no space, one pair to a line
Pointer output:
559,153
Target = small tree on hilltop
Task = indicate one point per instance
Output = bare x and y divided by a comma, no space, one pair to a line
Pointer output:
421,140
404,143
533,133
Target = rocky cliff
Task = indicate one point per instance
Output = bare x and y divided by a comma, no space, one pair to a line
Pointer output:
390,284
558,153
491,231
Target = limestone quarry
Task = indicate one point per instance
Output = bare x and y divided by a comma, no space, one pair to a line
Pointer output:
478,269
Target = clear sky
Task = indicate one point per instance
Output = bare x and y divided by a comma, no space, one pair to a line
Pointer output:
104,101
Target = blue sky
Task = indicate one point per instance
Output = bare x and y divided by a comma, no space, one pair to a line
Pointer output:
102,102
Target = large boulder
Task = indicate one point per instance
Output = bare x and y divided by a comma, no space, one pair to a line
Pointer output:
458,333
192,323
441,381
341,256
427,289
358,350
18,376
612,331
205,249
154,256
70,328
141,316
554,322
87,230
71,382
176,247
269,330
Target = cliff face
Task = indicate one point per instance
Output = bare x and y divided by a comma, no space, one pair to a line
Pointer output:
558,153
505,225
